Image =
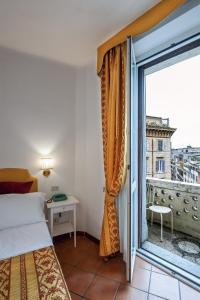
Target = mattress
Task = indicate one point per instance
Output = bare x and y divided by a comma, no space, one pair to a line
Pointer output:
23,239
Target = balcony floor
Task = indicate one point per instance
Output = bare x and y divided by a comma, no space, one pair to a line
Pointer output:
179,243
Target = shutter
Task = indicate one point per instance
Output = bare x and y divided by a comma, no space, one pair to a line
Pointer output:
163,166
157,166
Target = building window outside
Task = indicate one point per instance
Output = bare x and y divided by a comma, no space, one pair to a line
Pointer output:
160,145
160,166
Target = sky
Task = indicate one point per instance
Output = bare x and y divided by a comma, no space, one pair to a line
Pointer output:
174,93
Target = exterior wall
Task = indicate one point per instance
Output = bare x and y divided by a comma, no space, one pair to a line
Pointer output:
186,153
190,175
158,162
182,198
186,164
153,154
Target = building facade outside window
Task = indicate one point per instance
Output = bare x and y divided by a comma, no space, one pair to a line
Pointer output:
158,139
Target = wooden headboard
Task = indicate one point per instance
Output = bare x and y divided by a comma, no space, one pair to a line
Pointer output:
18,175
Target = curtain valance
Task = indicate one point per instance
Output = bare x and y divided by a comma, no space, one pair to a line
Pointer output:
144,23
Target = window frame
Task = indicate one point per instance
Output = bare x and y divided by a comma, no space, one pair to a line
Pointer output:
164,55
160,163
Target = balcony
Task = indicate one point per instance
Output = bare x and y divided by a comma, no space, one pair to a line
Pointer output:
184,200
157,121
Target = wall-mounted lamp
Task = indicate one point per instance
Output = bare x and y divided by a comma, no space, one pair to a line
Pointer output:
46,165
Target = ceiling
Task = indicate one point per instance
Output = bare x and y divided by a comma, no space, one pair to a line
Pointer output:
68,31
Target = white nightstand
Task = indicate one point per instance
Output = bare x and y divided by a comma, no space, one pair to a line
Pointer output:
59,207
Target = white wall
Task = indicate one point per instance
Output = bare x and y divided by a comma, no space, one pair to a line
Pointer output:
37,115
94,153
49,107
89,175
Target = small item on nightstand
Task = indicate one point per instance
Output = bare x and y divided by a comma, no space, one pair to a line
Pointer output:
49,201
59,197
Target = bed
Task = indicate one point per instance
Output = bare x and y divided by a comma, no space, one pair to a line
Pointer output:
29,268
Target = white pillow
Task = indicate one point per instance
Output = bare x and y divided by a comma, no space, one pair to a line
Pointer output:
21,209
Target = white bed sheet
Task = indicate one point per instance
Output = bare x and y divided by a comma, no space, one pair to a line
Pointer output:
22,239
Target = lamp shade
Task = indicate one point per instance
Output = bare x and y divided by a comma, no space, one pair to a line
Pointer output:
46,163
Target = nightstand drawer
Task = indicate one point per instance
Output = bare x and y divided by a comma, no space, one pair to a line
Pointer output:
63,208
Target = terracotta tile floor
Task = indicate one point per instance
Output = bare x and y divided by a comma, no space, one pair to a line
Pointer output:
89,277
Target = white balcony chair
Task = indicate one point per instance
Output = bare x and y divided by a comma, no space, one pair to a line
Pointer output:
158,209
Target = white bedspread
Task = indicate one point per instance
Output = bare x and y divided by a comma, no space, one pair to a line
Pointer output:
22,239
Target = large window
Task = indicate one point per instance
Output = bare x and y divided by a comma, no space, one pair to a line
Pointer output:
160,166
160,145
170,208
165,146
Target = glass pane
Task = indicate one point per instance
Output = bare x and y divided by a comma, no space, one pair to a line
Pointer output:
171,219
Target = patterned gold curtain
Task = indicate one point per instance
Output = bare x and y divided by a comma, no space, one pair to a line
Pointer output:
113,102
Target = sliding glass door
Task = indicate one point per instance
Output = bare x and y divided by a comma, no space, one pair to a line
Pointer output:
169,90
153,163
